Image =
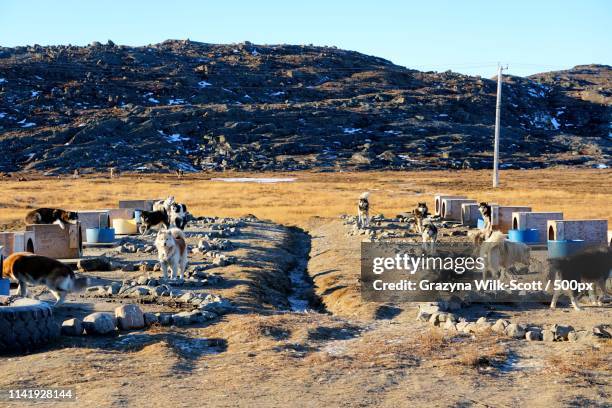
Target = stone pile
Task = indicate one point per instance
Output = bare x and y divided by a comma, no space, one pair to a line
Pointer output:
437,315
131,317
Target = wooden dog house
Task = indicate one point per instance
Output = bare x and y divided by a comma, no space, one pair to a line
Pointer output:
438,202
93,219
501,216
594,231
19,241
452,208
470,214
146,205
522,220
56,242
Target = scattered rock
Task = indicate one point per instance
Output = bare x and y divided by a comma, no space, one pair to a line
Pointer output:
533,335
94,264
500,326
129,317
516,331
72,327
99,323
150,319
548,335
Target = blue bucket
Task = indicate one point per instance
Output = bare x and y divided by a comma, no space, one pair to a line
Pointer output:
526,236
92,235
5,287
563,248
106,235
137,215
480,223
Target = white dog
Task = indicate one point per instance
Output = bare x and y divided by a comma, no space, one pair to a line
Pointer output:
172,250
164,204
500,254
363,210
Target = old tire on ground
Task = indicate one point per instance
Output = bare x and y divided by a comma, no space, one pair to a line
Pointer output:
25,325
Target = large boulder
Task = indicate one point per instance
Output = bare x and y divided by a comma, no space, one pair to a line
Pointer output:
129,317
99,323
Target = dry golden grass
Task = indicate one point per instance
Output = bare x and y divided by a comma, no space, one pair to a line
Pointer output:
583,193
588,362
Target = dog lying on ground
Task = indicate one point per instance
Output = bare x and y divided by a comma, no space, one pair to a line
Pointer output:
593,265
363,210
149,219
178,215
172,250
500,254
51,216
27,268
164,204
420,213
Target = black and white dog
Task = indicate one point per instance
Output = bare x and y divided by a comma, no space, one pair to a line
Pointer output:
485,210
178,215
150,219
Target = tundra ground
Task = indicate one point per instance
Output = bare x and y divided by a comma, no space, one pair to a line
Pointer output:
343,353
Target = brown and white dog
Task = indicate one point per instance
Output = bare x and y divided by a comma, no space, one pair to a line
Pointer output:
51,216
420,213
363,210
27,268
592,265
500,254
172,250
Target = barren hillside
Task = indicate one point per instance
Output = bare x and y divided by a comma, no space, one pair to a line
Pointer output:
190,105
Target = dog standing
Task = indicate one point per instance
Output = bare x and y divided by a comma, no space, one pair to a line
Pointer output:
178,215
592,265
420,213
363,210
500,254
429,235
485,211
27,268
172,250
150,219
164,204
51,216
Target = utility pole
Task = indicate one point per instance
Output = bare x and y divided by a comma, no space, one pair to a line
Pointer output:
497,121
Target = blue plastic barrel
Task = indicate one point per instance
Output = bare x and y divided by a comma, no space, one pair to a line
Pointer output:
92,235
106,235
526,236
563,248
5,287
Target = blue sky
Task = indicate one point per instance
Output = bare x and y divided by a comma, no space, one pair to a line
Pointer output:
465,36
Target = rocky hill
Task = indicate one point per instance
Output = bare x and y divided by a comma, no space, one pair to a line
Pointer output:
190,105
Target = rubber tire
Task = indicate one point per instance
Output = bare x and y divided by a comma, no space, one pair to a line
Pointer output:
26,325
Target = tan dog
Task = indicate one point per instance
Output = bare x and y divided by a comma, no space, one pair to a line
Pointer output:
27,268
500,254
172,250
